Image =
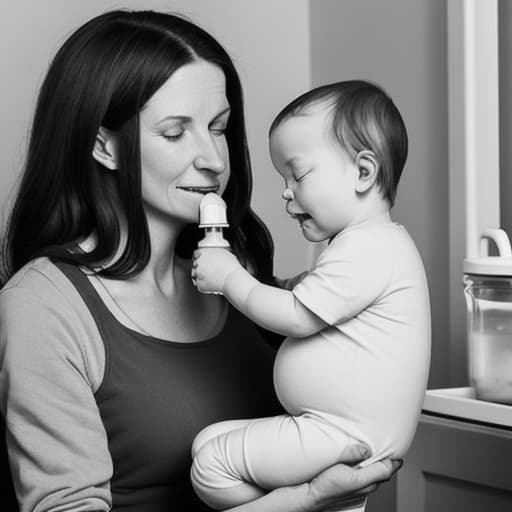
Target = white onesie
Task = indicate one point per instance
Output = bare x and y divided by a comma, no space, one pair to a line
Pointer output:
361,378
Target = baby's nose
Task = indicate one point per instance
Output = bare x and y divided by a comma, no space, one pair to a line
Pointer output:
287,194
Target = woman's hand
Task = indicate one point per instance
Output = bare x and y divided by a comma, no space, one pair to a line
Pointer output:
335,489
341,486
211,267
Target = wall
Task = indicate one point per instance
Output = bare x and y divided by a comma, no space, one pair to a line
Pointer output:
401,45
505,58
280,47
268,40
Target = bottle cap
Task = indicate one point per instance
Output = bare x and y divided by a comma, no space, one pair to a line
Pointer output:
484,264
212,211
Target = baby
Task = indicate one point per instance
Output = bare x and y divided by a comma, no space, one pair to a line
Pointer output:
355,362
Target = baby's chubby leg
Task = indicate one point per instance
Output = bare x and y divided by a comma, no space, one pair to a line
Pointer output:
214,481
236,466
215,430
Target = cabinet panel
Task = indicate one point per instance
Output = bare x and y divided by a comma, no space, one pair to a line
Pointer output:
456,466
444,493
384,498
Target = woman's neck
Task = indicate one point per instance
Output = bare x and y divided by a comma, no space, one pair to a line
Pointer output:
163,265
160,269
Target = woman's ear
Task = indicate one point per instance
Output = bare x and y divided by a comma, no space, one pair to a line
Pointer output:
105,148
368,167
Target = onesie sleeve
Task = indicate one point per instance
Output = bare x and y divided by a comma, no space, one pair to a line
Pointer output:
56,441
349,275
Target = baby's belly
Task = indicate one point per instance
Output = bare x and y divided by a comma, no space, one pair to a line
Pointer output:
312,374
351,386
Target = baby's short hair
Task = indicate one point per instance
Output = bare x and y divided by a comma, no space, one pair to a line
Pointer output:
363,118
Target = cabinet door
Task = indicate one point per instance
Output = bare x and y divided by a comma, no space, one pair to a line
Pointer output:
384,498
454,466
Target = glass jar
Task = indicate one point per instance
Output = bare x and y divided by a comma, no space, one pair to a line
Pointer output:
489,335
488,294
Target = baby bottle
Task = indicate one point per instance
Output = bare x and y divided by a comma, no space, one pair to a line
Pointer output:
212,218
488,293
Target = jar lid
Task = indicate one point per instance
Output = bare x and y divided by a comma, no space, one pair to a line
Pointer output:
490,265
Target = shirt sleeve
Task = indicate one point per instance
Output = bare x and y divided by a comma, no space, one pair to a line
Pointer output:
56,441
348,276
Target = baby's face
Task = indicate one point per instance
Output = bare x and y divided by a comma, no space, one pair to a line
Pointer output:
320,177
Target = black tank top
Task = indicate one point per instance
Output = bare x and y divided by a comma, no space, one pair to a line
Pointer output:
156,395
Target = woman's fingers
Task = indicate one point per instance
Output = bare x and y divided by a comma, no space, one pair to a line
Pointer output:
354,453
378,472
366,490
396,464
343,485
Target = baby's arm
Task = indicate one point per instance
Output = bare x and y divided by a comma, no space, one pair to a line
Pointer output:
276,309
290,282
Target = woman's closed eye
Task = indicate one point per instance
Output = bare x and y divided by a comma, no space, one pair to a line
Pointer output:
173,136
218,129
219,123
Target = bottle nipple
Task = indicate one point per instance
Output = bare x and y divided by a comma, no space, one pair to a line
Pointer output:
212,218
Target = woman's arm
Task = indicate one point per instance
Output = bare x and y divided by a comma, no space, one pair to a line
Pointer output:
274,308
335,489
57,443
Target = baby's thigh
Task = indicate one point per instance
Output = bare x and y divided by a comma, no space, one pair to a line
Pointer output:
286,450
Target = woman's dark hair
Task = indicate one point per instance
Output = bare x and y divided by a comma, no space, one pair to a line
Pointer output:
103,75
363,117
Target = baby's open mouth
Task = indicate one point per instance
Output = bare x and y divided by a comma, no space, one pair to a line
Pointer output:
301,217
200,190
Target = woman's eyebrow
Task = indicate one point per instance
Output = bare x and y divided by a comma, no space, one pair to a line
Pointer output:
185,119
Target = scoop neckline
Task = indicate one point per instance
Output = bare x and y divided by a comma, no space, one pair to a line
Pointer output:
225,312
223,318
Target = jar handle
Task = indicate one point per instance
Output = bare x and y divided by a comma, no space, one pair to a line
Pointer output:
501,240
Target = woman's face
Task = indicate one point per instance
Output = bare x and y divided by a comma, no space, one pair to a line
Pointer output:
184,153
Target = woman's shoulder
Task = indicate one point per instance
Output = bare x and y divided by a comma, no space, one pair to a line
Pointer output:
40,294
43,282
41,311
39,286
38,275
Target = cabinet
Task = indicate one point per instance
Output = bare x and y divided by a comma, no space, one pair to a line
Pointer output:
456,465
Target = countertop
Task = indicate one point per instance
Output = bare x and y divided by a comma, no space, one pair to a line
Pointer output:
461,403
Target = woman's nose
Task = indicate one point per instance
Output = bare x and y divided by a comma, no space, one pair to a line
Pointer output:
210,158
287,194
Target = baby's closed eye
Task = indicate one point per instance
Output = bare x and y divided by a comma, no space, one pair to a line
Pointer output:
299,176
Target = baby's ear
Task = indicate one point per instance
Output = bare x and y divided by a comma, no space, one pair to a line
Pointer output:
105,148
368,167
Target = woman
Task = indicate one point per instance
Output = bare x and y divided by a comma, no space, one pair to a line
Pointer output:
111,361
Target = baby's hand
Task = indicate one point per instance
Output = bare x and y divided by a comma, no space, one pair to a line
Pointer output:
210,268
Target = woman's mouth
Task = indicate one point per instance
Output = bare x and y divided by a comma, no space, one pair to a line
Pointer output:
200,190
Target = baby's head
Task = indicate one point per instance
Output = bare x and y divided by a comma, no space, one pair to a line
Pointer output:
347,135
